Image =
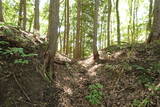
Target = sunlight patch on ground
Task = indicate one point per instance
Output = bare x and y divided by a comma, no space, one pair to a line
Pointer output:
92,70
87,62
62,57
67,90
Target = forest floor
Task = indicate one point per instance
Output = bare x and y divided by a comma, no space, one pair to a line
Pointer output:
127,76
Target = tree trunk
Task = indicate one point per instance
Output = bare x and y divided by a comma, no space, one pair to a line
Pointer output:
65,27
77,48
1,12
68,28
53,36
155,31
31,23
24,15
108,21
36,17
20,14
118,23
95,52
149,25
130,28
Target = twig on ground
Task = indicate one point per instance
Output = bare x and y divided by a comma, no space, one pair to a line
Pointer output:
34,104
6,76
25,94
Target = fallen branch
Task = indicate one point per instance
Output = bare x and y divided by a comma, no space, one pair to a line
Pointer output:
25,94
6,76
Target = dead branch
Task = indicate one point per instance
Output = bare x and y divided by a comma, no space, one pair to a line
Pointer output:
25,94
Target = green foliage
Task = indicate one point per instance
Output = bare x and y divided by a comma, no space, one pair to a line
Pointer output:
148,75
14,50
21,61
8,32
156,67
4,43
126,66
145,79
138,67
109,66
153,87
95,95
17,51
28,55
140,103
123,66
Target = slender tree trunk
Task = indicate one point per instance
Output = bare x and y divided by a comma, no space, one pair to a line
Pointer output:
31,23
60,36
118,23
150,15
65,27
1,12
77,48
155,31
130,28
24,14
108,21
53,36
68,28
134,22
95,52
81,38
101,35
36,17
20,14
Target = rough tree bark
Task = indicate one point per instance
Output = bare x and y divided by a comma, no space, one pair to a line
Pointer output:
155,30
1,12
22,15
52,35
77,48
95,52
36,17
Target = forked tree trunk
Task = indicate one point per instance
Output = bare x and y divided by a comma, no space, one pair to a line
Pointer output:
155,30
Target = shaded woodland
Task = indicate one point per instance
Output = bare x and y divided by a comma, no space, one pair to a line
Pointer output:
79,53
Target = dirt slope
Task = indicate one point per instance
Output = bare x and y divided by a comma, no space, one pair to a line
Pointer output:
130,76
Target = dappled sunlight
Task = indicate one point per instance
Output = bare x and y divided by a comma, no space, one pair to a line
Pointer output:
92,70
62,57
87,62
111,56
67,90
118,54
